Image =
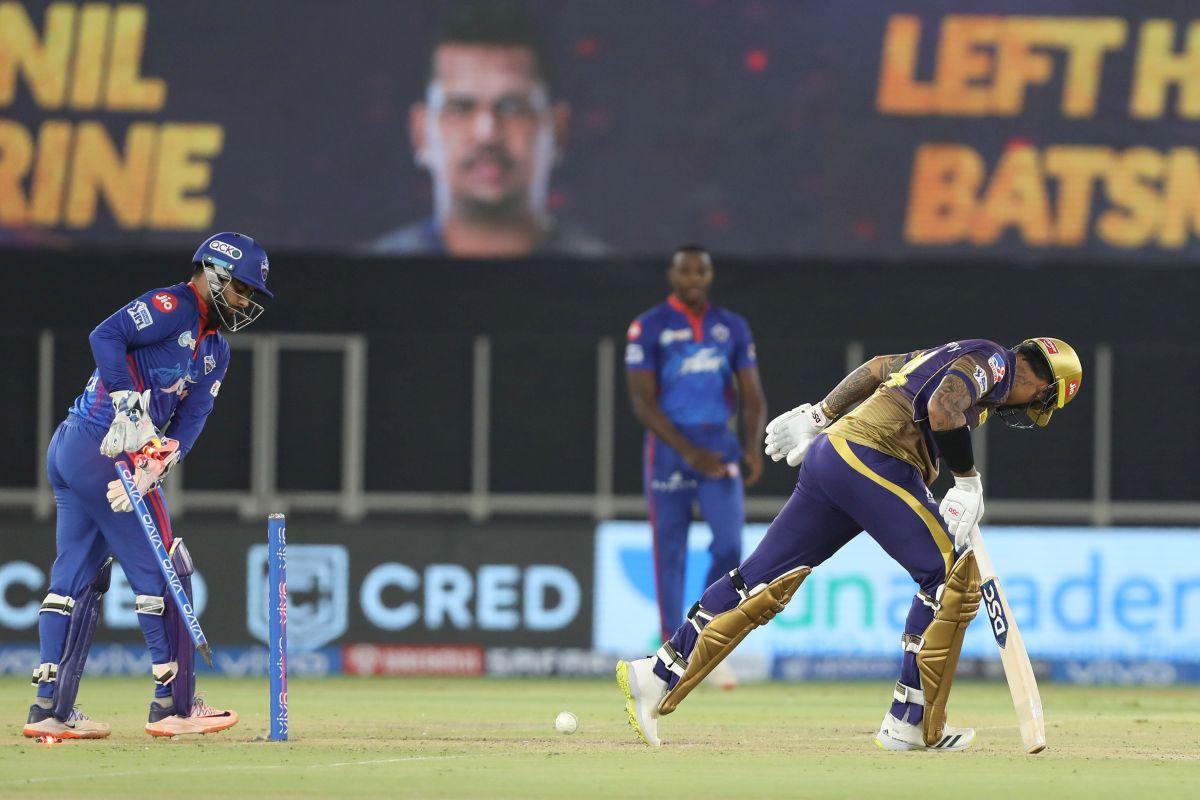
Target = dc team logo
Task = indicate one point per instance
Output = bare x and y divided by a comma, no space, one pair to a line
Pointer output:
720,333
264,269
165,302
318,582
210,363
995,611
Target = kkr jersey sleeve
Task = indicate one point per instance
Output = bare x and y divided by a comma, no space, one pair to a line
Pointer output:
641,345
983,372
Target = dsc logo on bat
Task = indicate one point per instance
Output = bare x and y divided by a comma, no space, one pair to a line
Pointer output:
995,611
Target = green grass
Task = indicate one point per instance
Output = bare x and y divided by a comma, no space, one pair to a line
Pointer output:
496,739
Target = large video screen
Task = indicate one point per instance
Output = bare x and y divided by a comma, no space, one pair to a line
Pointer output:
1030,128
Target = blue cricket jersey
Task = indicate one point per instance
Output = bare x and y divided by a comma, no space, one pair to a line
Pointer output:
163,342
694,359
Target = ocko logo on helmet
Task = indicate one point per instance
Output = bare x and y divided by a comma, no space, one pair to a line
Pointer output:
226,249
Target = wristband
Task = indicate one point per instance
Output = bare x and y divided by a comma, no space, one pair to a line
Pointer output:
955,447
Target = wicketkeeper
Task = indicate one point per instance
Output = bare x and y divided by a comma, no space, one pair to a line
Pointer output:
159,365
870,469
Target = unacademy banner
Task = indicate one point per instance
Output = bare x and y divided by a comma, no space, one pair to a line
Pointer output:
1077,594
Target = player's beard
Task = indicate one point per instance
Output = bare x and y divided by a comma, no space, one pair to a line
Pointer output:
503,211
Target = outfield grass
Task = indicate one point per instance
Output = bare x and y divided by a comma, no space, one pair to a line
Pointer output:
496,739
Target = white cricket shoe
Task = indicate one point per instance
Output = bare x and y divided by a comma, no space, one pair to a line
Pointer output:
643,692
78,725
896,735
722,676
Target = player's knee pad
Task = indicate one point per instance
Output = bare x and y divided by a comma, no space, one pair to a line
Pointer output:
165,674
57,604
937,649
85,614
150,605
45,673
181,559
719,634
183,652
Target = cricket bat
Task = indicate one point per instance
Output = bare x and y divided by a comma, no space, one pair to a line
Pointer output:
1017,669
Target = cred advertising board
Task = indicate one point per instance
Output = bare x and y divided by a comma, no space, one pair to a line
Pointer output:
378,583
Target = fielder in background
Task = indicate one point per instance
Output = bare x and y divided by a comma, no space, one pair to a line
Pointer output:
687,365
159,365
869,469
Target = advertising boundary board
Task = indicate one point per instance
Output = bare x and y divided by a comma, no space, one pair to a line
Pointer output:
1092,604
380,582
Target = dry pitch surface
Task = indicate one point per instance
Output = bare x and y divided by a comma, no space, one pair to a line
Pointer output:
496,739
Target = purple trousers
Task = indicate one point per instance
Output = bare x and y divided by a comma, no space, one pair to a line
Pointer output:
843,490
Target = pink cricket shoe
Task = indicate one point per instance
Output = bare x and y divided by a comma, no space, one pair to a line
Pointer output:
203,719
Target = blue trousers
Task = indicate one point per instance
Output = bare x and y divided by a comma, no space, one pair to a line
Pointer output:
672,487
844,489
88,531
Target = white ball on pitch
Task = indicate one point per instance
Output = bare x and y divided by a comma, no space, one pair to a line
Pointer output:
566,722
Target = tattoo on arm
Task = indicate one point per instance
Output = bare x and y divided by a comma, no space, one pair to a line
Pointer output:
861,383
884,366
949,401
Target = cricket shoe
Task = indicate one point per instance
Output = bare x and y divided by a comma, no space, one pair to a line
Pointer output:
722,676
203,719
643,692
896,735
79,725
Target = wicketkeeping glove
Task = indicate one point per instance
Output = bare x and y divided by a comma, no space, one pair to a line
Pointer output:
790,434
150,468
962,508
131,427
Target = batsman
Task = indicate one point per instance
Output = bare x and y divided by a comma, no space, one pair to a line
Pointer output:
160,361
869,469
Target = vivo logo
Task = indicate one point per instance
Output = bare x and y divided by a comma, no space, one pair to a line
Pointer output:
995,611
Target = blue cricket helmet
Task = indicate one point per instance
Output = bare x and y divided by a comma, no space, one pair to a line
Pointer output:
238,256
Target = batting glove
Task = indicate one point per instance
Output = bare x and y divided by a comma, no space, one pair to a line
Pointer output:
790,434
962,508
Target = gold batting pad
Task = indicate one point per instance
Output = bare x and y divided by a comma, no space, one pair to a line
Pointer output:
726,631
938,657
